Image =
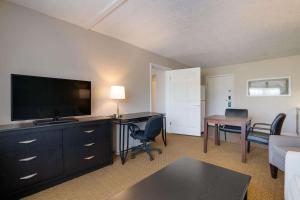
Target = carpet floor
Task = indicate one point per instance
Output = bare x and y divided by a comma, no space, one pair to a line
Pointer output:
106,182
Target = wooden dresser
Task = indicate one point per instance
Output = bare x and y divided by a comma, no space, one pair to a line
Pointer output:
33,158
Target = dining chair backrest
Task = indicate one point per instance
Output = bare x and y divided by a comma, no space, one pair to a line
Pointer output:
276,125
232,112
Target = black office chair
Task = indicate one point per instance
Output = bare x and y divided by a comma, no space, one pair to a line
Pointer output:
260,132
153,128
231,112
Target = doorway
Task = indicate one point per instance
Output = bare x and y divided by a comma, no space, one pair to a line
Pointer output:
219,94
158,89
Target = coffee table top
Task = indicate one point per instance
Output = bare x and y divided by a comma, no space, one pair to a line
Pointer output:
189,179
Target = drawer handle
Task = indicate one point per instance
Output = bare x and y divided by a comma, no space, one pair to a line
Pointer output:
89,131
90,144
27,159
89,158
28,177
27,141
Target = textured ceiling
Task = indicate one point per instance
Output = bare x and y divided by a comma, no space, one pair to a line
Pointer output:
79,12
194,32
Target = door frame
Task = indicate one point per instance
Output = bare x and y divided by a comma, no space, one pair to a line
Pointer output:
216,76
158,67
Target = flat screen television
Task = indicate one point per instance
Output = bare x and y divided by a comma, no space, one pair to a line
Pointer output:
35,97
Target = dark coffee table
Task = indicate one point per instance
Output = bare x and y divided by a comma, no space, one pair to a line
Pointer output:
189,179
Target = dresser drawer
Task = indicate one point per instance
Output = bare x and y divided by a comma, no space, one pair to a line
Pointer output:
80,135
17,174
86,146
26,157
25,143
82,160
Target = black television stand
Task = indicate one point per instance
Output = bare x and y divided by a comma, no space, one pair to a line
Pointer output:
52,153
55,120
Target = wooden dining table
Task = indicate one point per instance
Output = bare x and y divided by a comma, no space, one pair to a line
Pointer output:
218,120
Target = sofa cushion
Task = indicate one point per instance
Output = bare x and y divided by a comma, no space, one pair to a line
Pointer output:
282,150
278,155
292,176
294,189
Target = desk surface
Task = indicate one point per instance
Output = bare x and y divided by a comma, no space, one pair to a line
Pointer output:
190,179
133,116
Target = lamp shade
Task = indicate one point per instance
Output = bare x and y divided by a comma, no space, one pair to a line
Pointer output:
117,92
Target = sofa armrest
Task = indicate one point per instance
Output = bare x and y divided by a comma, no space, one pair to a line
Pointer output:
292,176
283,140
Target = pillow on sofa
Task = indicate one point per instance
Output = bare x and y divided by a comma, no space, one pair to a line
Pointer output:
292,176
294,190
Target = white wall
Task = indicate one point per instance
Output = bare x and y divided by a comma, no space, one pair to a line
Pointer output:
264,109
35,44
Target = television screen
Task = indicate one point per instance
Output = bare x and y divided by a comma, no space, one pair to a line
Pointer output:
40,97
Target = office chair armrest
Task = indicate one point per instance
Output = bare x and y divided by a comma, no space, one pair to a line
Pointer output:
133,127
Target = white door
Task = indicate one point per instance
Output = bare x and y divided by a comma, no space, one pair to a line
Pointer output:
184,97
219,94
203,104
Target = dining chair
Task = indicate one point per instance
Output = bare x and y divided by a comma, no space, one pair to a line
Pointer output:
260,132
231,112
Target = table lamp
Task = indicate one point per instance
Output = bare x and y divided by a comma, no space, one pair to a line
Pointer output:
117,92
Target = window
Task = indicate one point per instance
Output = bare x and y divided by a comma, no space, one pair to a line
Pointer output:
269,87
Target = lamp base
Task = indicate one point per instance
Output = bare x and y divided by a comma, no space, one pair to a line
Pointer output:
118,112
116,116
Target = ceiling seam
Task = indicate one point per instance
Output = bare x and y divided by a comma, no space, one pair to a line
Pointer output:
101,15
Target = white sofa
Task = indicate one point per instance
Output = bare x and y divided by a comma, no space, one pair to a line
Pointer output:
284,154
292,176
279,145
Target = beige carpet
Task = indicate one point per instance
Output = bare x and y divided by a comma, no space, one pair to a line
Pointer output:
106,182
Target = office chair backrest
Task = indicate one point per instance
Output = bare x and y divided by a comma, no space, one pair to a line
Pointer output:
231,112
277,124
154,127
